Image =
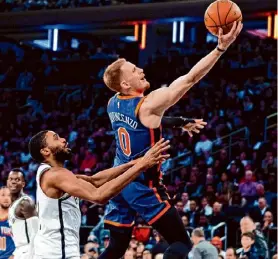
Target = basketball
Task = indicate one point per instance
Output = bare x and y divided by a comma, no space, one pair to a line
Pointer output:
222,14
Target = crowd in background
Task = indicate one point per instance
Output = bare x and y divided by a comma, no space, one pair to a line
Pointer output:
213,185
31,5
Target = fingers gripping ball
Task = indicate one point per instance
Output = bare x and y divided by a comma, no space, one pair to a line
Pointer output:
222,14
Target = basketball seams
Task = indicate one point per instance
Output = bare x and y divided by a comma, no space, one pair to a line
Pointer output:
217,7
228,14
212,20
224,24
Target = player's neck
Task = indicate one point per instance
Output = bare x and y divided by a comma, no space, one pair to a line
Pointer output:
16,196
3,213
133,93
55,163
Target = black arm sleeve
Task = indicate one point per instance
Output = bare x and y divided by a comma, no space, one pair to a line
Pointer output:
175,122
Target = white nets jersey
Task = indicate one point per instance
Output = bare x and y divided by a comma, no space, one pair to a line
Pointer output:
21,233
59,223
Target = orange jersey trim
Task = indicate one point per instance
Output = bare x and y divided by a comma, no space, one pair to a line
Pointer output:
125,97
152,137
4,218
117,224
139,106
160,214
157,195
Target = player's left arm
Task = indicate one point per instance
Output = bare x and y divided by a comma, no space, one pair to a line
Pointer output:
158,101
107,175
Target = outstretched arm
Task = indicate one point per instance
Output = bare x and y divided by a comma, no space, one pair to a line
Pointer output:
63,180
107,175
160,100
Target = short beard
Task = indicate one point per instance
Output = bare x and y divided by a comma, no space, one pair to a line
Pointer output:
4,207
61,155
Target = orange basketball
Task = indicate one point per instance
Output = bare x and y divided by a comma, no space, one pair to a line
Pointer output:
222,13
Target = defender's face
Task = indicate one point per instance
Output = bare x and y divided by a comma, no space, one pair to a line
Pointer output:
133,78
5,198
56,147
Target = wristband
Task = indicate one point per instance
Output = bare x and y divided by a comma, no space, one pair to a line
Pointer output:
175,122
220,50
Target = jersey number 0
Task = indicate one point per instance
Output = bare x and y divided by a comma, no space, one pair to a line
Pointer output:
124,140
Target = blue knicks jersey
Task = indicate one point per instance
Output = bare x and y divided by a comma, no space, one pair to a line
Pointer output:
6,241
133,139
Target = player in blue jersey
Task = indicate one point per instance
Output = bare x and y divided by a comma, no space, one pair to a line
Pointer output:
6,241
136,121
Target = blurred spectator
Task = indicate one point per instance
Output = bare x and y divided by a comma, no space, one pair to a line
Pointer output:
193,215
179,206
247,242
202,249
130,254
160,246
147,254
260,244
231,253
217,216
248,188
185,201
185,221
204,145
225,186
205,208
205,225
267,222
217,242
260,207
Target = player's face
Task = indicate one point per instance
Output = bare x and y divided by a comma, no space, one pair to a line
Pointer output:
15,182
5,198
56,147
133,78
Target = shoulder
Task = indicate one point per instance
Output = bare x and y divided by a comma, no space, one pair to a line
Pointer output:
55,174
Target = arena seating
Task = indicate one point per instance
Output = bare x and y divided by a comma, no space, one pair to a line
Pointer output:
237,99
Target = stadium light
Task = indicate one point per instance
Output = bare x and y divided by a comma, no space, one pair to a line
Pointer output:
181,31
144,36
49,38
269,25
55,39
174,36
276,26
136,31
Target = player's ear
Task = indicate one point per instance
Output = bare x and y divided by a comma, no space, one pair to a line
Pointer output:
125,85
45,151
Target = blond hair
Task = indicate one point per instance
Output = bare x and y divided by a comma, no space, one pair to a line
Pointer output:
112,75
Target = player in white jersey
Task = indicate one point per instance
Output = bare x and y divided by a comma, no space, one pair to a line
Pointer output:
58,191
22,216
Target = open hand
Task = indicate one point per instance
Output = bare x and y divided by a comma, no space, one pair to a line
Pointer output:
194,127
154,155
224,41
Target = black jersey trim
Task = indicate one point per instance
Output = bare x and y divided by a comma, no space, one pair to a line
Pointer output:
62,229
26,232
